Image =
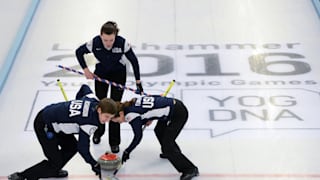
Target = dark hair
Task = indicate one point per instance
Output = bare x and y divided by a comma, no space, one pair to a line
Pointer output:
121,106
108,105
109,27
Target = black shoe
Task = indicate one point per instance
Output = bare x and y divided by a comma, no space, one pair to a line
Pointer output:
115,149
96,139
190,174
61,174
15,176
163,156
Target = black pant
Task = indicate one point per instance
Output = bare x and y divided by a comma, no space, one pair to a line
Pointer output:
116,93
167,132
59,150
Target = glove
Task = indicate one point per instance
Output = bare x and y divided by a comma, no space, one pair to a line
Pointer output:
139,88
125,157
96,169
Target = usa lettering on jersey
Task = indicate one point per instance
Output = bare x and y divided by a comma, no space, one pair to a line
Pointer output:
76,109
116,50
147,102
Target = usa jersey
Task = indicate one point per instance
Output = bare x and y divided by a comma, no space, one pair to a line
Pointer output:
145,109
75,117
111,61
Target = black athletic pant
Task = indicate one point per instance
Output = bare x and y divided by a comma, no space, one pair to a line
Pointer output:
58,151
116,93
167,132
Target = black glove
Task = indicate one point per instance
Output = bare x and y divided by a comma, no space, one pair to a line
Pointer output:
139,88
96,169
125,157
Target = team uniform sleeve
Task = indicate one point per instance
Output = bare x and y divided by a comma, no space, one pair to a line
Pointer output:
137,131
130,55
81,51
84,148
85,91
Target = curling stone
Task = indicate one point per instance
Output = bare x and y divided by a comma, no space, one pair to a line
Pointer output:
109,162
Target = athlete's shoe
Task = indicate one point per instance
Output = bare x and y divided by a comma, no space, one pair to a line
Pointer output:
18,176
190,174
115,149
163,156
15,176
96,139
61,174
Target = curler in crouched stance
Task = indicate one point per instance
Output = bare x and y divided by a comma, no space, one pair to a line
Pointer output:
171,114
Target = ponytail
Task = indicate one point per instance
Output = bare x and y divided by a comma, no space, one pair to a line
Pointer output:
121,106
